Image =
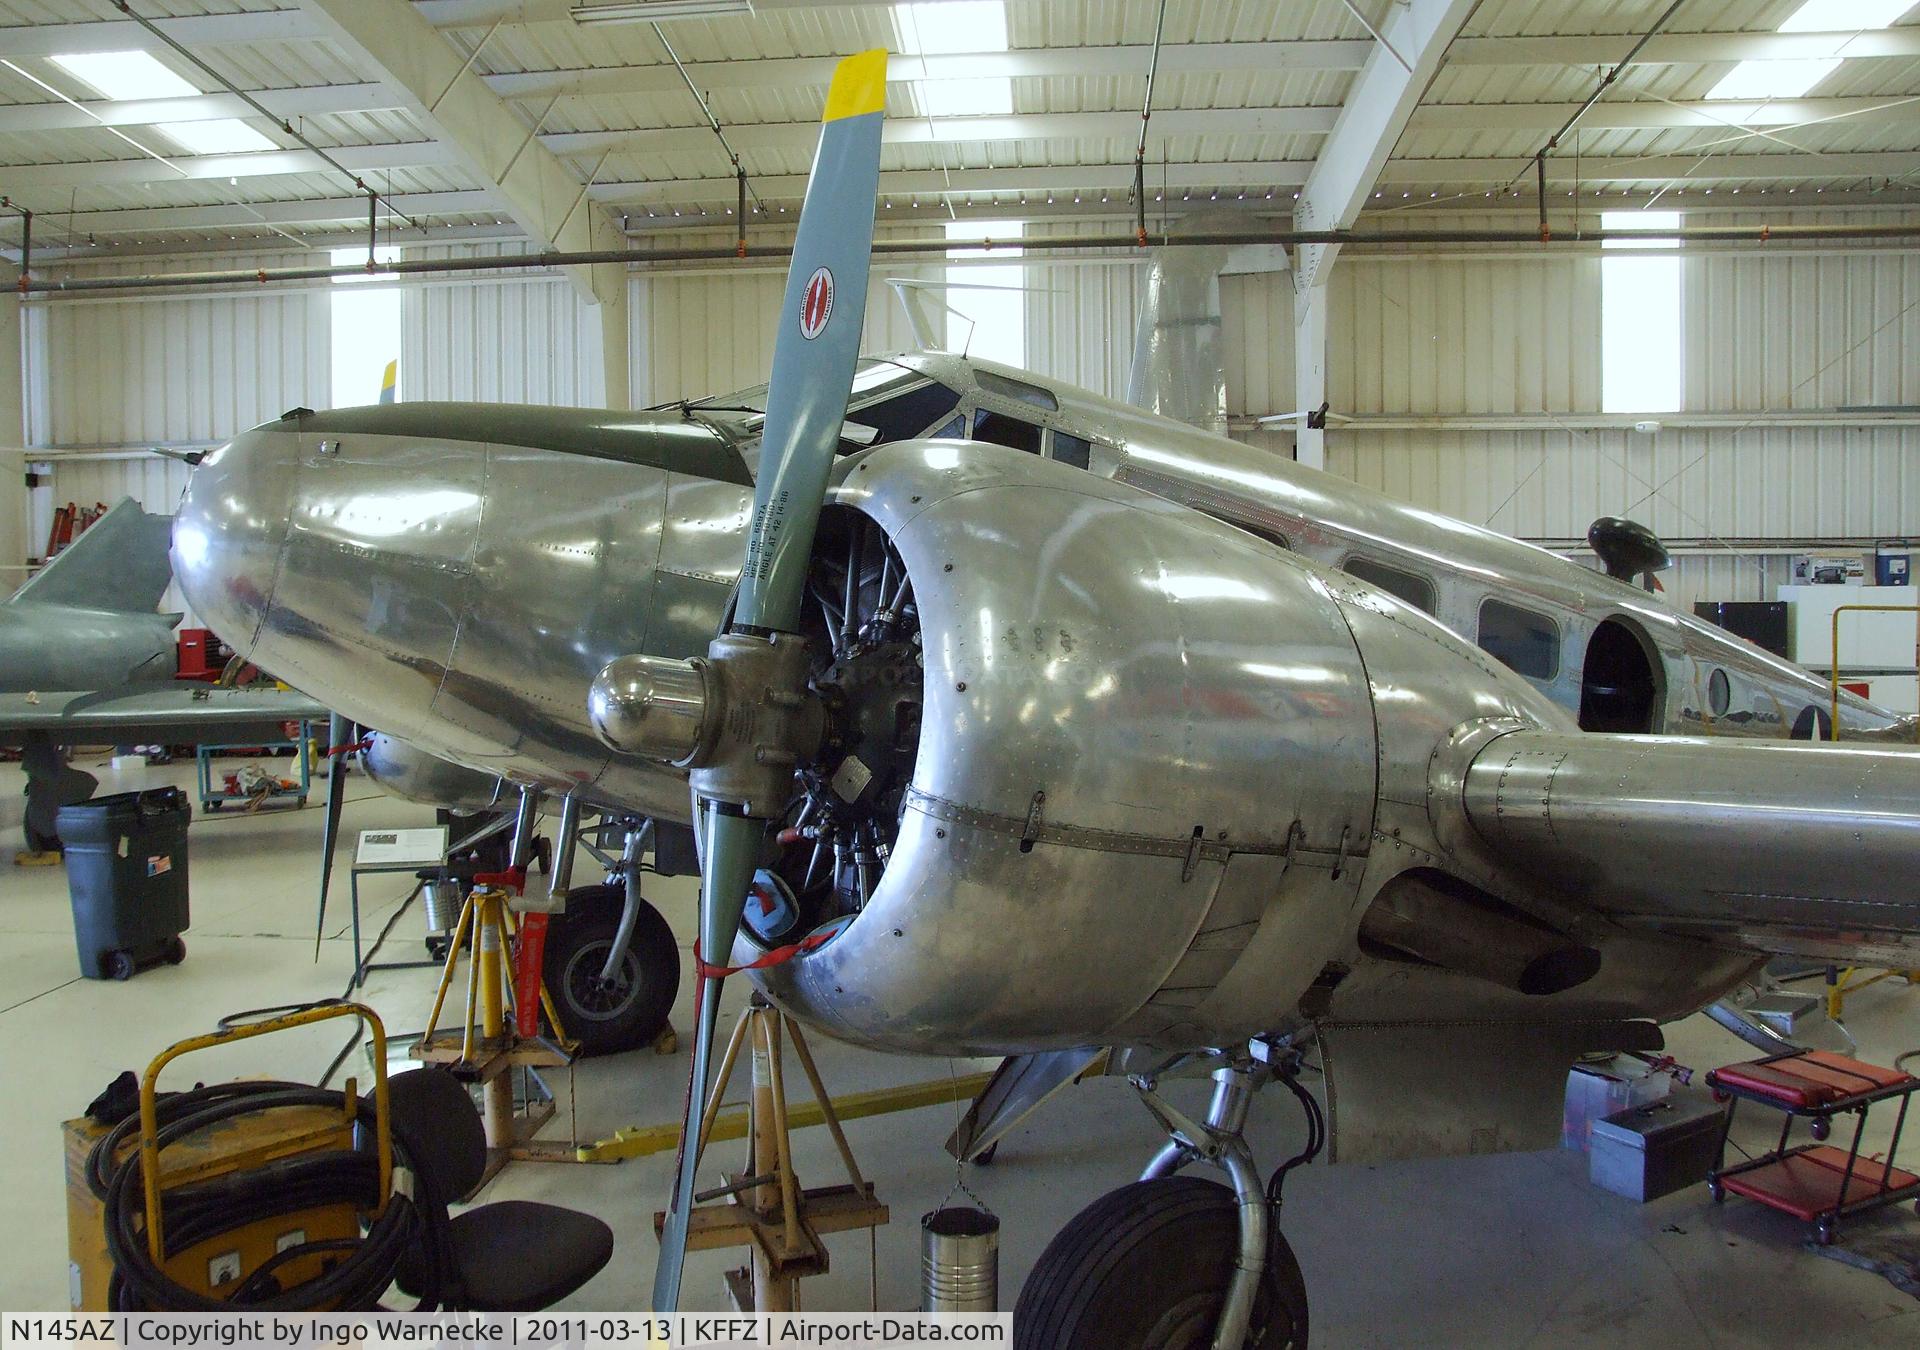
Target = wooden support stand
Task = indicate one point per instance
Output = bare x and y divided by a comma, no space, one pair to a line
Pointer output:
763,1207
486,1049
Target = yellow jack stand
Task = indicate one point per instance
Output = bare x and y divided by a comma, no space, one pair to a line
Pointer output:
764,1207
486,1048
1851,980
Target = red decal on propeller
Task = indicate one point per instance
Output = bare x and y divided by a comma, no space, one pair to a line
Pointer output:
816,305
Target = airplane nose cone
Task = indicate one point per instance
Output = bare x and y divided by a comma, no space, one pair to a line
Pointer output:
231,529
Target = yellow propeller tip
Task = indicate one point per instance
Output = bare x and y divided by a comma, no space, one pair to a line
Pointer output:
859,86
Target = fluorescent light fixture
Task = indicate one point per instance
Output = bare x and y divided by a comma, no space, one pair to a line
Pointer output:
658,11
1759,81
950,26
125,75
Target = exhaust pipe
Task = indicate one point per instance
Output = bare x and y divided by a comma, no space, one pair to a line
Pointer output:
1432,917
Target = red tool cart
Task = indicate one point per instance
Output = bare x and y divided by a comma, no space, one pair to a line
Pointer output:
1816,1183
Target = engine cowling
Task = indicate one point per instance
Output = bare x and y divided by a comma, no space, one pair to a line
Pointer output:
409,772
1141,736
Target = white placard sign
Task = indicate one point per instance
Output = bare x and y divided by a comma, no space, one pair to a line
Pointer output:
423,847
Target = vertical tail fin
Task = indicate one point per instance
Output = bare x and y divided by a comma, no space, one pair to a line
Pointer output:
389,380
119,563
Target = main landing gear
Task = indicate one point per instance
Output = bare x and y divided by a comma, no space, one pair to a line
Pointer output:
1182,1263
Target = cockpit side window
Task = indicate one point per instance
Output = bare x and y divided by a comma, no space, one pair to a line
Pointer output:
1415,589
1070,450
1004,430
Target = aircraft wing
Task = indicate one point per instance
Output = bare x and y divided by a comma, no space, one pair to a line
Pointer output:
1779,846
177,715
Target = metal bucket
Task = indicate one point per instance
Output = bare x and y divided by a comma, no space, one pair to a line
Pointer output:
442,903
959,1261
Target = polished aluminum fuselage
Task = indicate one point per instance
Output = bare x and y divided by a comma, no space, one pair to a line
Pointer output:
1165,761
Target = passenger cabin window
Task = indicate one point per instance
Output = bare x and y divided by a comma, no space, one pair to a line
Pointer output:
1070,450
1524,640
1411,587
1004,430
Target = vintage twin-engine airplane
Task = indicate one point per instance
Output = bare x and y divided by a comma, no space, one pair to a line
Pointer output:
87,658
1067,726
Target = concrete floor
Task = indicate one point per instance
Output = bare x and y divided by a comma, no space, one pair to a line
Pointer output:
1517,1250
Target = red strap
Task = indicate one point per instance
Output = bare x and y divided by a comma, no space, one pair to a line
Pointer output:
513,879
349,747
779,956
529,955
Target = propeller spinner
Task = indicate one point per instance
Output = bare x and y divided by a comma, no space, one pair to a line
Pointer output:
741,719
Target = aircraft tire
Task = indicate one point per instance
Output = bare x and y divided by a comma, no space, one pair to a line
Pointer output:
608,1020
1146,1267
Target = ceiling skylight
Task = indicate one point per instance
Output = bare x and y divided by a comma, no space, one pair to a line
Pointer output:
221,136
125,75
128,76
1758,81
1844,16
957,26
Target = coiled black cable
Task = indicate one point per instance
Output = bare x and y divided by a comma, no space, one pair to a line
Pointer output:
198,1212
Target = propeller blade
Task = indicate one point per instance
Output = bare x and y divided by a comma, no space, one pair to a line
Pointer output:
732,851
815,350
816,346
340,732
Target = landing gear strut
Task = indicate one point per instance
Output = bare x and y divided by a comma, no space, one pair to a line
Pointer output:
1181,1263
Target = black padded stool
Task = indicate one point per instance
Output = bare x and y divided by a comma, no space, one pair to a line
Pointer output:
509,1256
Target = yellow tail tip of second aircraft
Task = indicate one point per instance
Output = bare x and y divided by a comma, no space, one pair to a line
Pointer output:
859,86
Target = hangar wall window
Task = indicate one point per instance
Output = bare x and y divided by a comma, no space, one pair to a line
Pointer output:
987,313
365,317
1524,640
1640,316
1411,587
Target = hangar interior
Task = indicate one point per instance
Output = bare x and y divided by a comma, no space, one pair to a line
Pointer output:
1634,259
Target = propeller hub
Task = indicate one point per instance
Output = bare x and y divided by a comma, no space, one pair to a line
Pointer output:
742,719
652,706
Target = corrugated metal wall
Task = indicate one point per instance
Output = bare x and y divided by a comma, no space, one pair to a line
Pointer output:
710,330
173,369
1514,333
513,338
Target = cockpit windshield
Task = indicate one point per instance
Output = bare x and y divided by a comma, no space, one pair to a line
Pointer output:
871,379
888,402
